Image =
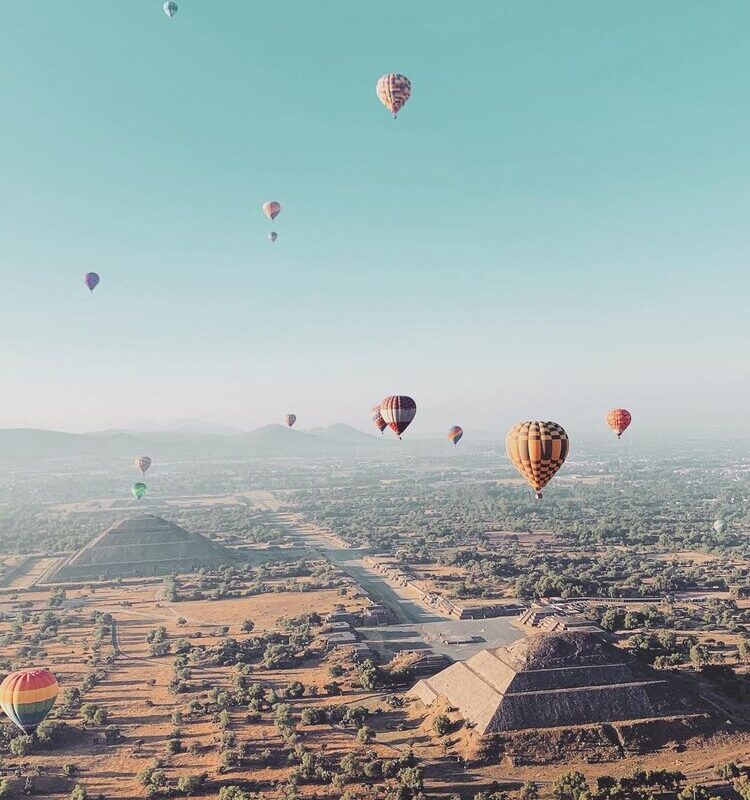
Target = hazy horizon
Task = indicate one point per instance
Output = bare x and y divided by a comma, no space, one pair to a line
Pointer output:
555,225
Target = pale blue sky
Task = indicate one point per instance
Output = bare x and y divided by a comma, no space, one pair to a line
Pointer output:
557,222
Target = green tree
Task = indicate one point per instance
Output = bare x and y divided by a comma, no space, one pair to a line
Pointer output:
441,724
529,791
79,792
570,786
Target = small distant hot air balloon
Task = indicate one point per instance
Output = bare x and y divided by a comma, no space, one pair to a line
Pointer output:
618,419
91,279
27,696
720,526
537,450
272,209
393,90
455,433
273,236
143,463
290,419
138,490
376,417
170,8
398,410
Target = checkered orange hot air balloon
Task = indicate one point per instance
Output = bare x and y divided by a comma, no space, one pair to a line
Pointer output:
393,91
377,419
537,450
27,696
272,209
398,410
618,419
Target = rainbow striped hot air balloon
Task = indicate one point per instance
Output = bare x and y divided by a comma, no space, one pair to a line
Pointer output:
377,419
27,696
398,410
455,433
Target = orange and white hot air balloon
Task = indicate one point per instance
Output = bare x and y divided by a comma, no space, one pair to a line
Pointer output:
618,419
272,209
393,91
537,450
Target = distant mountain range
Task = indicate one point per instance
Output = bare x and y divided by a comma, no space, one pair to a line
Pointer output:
24,444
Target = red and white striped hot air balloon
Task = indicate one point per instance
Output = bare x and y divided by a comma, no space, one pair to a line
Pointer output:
143,463
393,91
272,209
398,410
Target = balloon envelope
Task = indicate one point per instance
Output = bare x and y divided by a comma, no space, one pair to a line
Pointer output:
398,410
27,696
91,279
143,463
170,8
537,450
138,490
455,433
273,236
393,90
290,419
377,419
618,419
272,209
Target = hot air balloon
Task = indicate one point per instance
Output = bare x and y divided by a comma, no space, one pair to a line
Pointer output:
142,463
398,411
537,450
618,419
27,696
455,433
272,209
393,90
720,526
375,416
290,419
138,490
170,8
91,279
273,236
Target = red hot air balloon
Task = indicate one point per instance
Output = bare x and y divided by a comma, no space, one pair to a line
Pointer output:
290,419
272,209
618,419
398,411
455,433
377,419
91,279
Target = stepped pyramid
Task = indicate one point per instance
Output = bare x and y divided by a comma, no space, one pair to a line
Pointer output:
553,680
142,545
